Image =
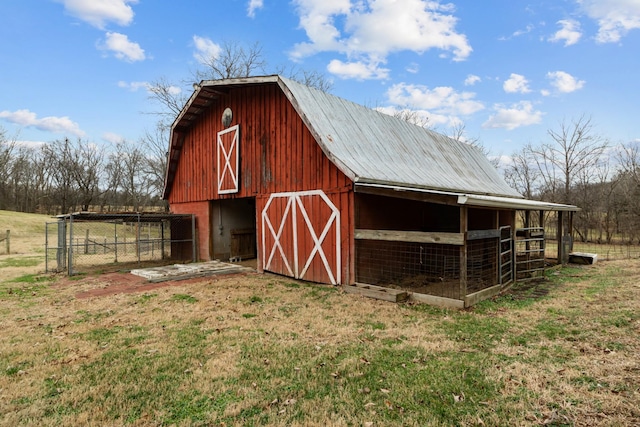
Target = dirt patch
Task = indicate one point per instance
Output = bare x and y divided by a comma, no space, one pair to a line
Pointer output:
121,283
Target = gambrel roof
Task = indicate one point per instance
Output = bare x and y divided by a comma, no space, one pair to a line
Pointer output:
369,147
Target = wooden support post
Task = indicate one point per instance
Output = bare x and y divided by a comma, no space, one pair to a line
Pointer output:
570,232
559,236
8,239
463,252
86,242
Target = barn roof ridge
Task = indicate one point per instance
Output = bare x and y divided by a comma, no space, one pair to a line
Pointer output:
368,146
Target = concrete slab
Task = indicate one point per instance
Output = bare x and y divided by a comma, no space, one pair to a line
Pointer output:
189,271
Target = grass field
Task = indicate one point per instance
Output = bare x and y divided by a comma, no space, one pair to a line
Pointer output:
265,350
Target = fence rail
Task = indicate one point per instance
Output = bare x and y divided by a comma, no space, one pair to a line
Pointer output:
75,243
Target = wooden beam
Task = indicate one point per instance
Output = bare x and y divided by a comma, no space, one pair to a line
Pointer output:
437,301
377,292
410,236
482,234
476,297
416,194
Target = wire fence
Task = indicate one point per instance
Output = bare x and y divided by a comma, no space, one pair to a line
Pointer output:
78,242
432,269
605,251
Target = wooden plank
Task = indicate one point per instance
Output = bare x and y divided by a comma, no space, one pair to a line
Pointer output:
482,295
436,301
482,234
410,236
377,292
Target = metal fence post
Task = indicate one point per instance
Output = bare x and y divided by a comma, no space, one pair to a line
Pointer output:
70,263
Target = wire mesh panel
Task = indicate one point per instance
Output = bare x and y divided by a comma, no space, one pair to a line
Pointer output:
482,264
77,242
530,248
432,269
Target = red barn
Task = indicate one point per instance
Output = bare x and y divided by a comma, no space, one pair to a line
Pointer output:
322,189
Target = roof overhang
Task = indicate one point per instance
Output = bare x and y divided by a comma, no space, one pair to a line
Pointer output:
475,200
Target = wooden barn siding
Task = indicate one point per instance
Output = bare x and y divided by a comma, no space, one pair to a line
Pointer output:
202,211
277,151
277,154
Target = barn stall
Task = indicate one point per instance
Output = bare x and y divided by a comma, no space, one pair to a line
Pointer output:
321,189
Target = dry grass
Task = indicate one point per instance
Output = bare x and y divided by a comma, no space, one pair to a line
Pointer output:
266,350
27,243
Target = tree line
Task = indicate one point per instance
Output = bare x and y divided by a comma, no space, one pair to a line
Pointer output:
67,175
577,166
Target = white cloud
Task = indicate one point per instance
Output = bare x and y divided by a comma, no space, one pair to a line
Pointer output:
122,48
112,137
27,118
357,70
527,30
368,30
615,17
518,33
516,84
136,86
205,49
472,80
253,6
133,86
569,32
564,82
517,115
440,100
30,144
99,12
413,68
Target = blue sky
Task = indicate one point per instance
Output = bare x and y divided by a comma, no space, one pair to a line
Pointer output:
509,70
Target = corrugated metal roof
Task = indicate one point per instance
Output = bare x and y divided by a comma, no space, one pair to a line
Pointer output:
367,146
372,147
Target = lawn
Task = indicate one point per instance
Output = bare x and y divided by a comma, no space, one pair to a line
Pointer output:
265,350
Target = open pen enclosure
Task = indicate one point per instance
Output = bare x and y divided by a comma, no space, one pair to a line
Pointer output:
442,252
78,241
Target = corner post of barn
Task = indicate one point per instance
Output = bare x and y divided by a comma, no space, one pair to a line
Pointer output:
193,238
463,252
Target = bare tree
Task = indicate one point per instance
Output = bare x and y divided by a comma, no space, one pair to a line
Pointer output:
169,96
522,173
75,170
459,133
575,150
233,60
155,165
128,164
6,150
627,205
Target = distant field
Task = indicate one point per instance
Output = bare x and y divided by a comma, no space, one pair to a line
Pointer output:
27,243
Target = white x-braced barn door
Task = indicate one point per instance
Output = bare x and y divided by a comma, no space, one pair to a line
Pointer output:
301,236
228,153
